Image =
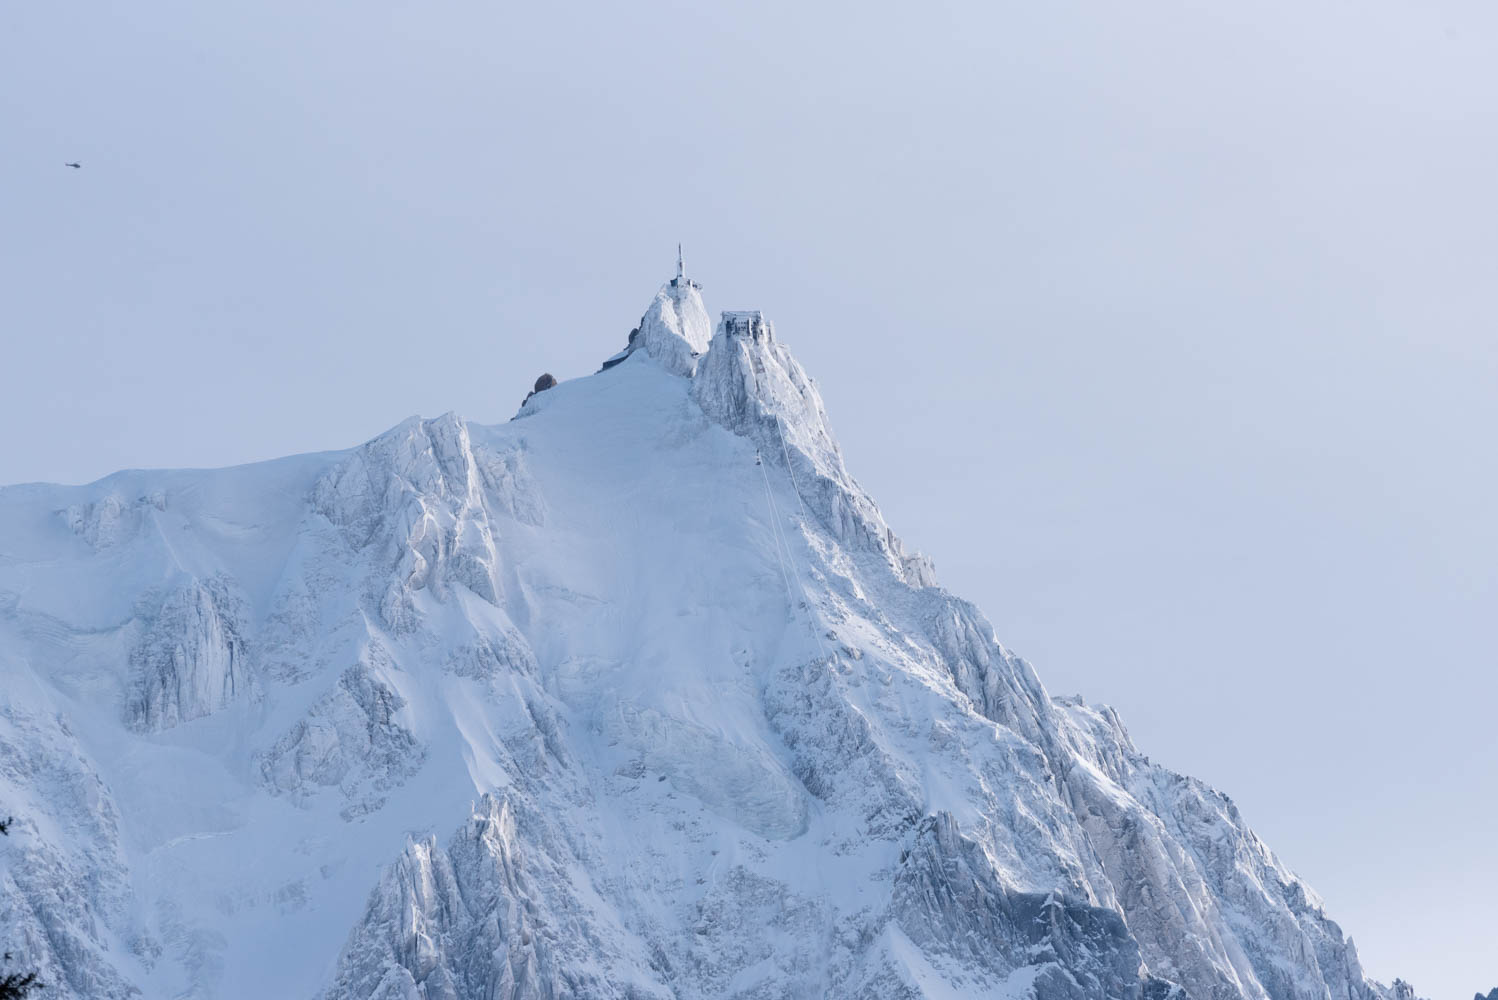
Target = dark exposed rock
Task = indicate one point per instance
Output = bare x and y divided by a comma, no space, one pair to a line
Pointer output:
950,900
546,381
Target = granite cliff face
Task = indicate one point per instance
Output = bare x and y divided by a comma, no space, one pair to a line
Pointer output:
636,695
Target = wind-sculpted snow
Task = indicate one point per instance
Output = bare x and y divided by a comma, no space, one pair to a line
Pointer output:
753,789
635,696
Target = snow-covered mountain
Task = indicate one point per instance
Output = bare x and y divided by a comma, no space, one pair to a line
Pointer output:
635,695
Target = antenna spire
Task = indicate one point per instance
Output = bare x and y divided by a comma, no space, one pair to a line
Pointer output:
681,280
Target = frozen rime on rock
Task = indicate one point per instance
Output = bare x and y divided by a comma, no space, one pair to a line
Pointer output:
1229,912
750,383
675,329
350,739
492,656
111,519
191,660
486,917
614,714
414,501
64,886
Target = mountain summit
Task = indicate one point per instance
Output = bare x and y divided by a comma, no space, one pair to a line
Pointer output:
635,696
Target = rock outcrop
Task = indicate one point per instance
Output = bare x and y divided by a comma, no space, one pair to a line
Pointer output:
675,330
350,739
191,660
750,383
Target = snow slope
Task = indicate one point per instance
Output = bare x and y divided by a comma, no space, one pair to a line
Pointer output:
635,695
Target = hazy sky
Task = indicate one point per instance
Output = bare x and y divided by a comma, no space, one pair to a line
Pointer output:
1166,329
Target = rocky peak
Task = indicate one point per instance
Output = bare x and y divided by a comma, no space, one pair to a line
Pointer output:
713,733
675,330
751,383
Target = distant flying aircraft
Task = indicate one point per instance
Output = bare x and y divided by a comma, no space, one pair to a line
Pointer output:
75,166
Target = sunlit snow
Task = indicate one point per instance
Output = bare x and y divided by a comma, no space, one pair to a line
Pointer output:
633,695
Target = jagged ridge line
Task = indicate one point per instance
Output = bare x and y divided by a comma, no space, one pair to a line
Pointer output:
815,632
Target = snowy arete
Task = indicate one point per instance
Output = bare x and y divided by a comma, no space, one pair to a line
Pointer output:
633,696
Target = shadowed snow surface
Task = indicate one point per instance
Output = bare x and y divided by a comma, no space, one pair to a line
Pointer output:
588,704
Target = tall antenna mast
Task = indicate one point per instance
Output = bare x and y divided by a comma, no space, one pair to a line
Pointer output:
681,280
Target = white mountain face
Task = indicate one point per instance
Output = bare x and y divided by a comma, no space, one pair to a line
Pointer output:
633,696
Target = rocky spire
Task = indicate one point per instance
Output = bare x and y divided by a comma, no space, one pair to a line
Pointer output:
676,329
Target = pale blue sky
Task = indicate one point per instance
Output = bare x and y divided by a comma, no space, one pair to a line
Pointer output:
1166,331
